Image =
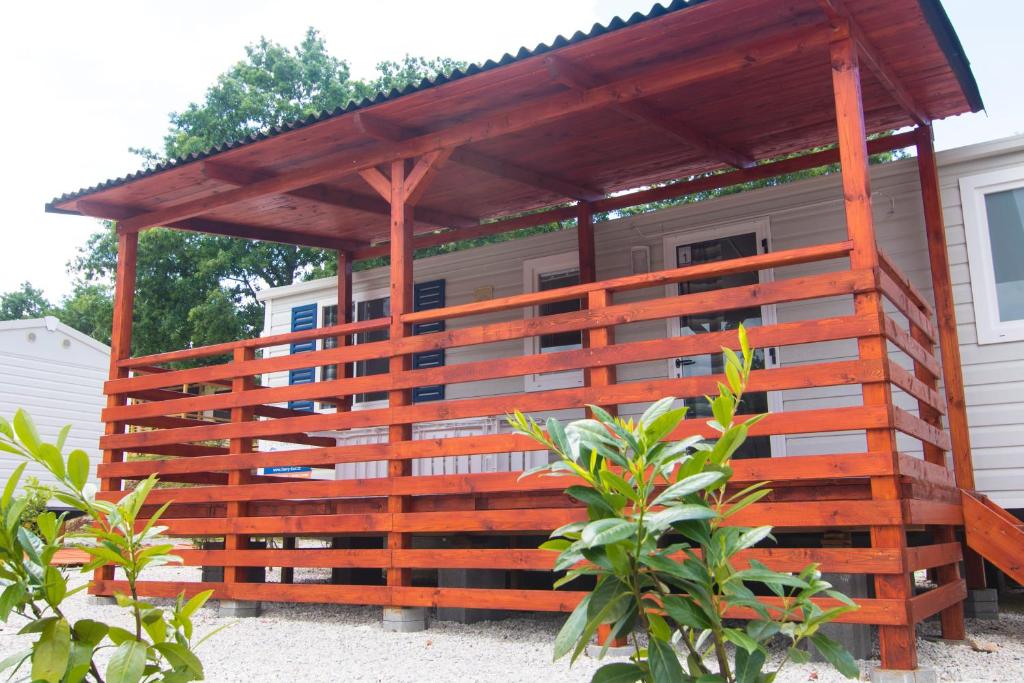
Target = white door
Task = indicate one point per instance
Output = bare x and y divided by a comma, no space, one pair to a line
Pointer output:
721,243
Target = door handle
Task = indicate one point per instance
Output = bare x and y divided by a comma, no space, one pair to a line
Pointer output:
680,362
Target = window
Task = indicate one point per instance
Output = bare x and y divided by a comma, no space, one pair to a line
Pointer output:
540,275
371,309
328,318
993,205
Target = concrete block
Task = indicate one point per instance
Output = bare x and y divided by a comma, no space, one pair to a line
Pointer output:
880,675
404,619
594,651
470,578
102,600
856,638
238,609
982,604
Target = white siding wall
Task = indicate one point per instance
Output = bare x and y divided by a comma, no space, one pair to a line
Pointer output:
56,384
801,214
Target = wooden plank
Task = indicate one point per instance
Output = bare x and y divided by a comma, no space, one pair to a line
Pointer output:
306,557
937,599
914,426
929,556
905,284
660,278
343,329
277,525
778,335
790,377
793,289
925,471
578,78
895,294
666,76
915,387
903,341
924,512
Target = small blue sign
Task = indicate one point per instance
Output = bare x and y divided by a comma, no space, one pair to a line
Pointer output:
286,470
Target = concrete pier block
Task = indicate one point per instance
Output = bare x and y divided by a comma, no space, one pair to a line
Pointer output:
102,600
470,578
404,619
982,604
238,609
856,638
922,675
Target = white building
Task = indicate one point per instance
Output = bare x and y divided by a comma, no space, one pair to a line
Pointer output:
56,374
983,200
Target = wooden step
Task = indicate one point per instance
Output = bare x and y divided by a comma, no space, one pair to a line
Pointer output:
994,534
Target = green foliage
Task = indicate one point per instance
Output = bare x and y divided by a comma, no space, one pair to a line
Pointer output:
36,496
24,302
663,557
161,645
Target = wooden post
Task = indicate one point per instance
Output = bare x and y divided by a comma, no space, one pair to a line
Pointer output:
898,643
401,303
120,349
949,340
344,316
237,509
585,242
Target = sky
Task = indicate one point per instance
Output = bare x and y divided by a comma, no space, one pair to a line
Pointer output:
86,81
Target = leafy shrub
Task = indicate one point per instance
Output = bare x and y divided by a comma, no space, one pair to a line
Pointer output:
160,646
38,496
659,543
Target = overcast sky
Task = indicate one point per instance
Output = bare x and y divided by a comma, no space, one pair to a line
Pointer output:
86,81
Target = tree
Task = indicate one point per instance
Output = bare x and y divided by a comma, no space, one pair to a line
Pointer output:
24,302
198,289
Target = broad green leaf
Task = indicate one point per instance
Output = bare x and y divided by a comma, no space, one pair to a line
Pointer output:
5,428
127,663
657,409
11,596
52,458
180,657
678,513
836,655
765,575
62,437
78,468
618,672
571,629
89,631
798,655
685,612
55,585
752,537
119,635
748,665
692,484
664,663
26,430
79,662
557,544
605,531
50,653
12,483
741,640
592,498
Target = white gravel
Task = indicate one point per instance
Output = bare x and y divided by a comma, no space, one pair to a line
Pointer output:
297,642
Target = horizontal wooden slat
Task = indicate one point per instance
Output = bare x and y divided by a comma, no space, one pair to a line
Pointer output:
784,334
226,348
916,427
919,468
794,289
934,601
903,341
777,259
930,512
790,377
915,387
905,284
872,610
937,555
895,294
306,557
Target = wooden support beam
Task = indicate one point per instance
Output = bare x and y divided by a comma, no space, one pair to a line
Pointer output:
332,196
239,446
841,18
898,643
379,129
674,190
578,78
423,173
120,349
88,207
344,316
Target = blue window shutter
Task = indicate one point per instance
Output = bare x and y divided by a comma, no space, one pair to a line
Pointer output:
428,296
303,318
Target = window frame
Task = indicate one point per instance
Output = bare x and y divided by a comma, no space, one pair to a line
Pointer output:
532,270
989,327
357,298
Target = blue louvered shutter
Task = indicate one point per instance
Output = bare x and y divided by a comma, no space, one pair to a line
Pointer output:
428,296
303,318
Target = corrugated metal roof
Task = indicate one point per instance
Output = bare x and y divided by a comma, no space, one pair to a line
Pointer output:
932,9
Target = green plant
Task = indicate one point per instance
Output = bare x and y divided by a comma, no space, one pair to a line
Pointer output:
660,545
159,647
38,496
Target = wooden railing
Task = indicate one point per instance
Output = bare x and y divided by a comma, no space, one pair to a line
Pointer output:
823,491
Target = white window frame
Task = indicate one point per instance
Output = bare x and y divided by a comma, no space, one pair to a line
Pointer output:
368,295
973,188
532,270
762,228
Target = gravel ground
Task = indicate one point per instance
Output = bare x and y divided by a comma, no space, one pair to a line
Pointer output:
330,643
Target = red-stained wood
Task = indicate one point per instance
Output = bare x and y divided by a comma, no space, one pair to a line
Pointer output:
923,512
236,478
925,471
898,297
928,556
995,533
898,643
905,284
936,600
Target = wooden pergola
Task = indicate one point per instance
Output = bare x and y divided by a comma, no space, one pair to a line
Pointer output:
703,91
